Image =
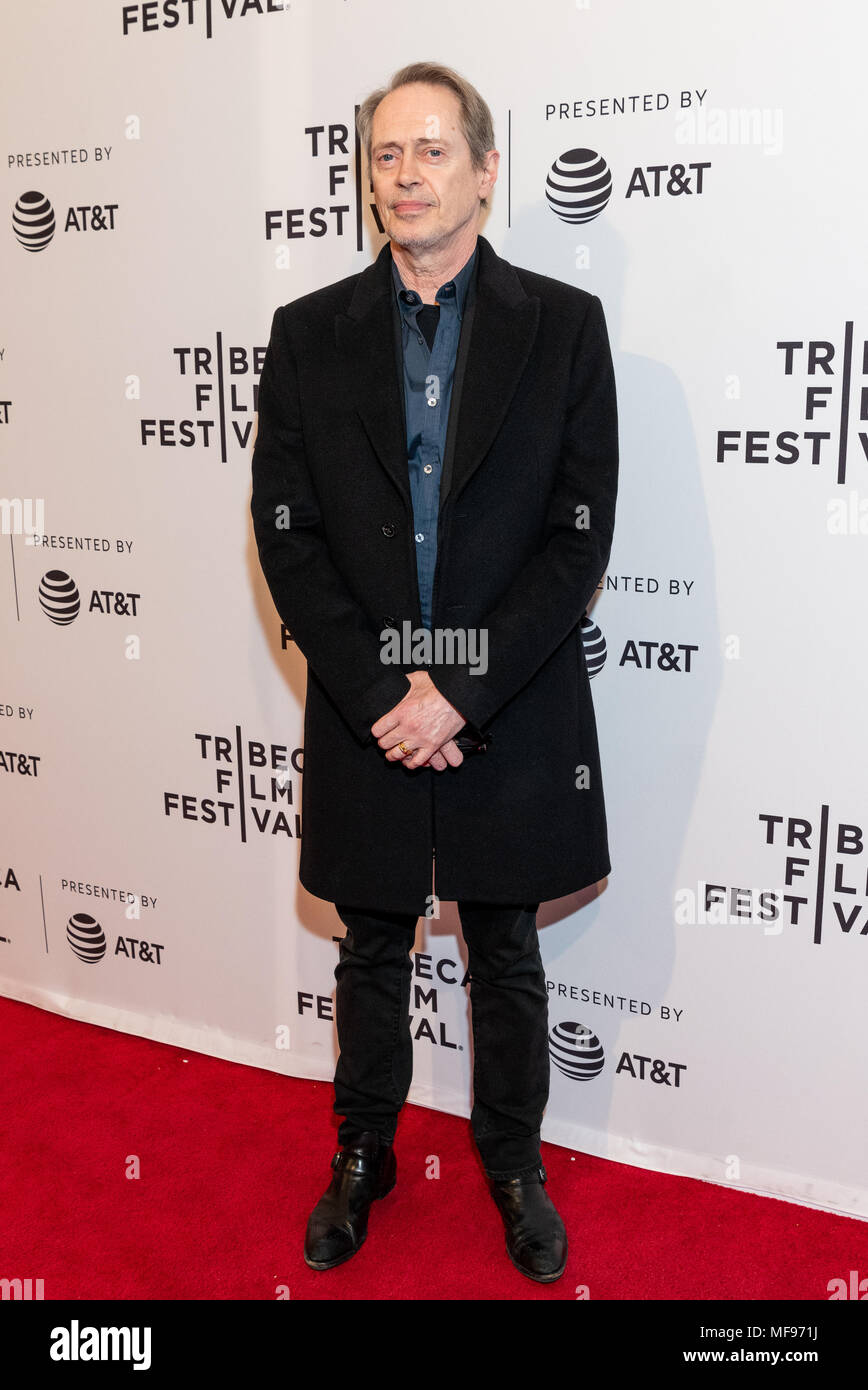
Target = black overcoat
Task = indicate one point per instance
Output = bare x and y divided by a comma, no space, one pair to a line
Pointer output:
533,442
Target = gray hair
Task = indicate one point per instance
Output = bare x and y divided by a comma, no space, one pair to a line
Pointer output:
476,121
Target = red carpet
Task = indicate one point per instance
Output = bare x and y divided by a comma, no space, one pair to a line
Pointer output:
232,1158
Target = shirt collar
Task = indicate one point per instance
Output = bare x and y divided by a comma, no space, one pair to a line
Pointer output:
409,301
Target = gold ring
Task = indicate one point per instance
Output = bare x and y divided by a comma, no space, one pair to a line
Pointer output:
405,750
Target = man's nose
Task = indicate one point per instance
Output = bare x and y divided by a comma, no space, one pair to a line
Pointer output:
409,171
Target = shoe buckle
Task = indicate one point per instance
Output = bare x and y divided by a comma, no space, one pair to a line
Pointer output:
543,1176
348,1160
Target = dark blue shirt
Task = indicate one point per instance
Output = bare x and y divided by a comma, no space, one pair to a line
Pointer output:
428,373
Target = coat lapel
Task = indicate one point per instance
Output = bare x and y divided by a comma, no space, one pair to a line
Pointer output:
496,340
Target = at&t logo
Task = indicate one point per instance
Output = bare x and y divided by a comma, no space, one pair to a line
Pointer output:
576,1051
60,600
87,940
34,223
579,183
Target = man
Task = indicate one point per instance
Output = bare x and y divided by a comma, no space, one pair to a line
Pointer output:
434,485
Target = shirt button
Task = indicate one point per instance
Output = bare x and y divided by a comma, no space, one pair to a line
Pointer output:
419,536
432,400
429,468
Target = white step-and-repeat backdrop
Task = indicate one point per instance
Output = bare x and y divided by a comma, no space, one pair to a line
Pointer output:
172,171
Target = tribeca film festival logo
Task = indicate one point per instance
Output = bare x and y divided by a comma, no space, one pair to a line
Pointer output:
577,1052
87,940
428,976
225,387
254,784
283,225
822,372
810,853
153,15
34,224
60,600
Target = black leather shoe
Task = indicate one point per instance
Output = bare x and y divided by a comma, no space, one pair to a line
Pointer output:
536,1240
363,1172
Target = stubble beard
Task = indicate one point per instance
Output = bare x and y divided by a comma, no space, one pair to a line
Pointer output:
411,239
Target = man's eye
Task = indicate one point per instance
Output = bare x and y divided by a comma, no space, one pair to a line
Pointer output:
381,159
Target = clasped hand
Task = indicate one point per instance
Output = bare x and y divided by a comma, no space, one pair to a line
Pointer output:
425,722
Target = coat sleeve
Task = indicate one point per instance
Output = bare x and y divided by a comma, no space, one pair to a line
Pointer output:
326,622
548,596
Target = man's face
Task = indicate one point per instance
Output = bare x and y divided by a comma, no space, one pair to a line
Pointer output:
424,186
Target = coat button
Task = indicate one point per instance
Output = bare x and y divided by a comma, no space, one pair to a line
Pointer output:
388,528
389,621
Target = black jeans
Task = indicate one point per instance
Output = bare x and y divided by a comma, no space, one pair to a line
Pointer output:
509,1015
